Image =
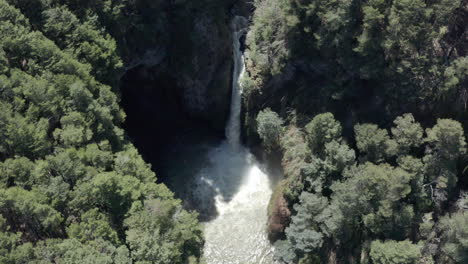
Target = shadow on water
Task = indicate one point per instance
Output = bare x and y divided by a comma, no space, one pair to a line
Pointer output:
194,161
178,147
202,170
217,177
187,155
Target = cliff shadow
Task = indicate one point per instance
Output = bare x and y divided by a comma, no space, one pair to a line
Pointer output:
180,148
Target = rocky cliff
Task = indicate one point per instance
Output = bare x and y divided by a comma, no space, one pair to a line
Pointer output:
179,79
199,83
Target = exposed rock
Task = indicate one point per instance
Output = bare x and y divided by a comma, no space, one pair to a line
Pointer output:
180,81
279,216
191,45
202,85
151,58
205,91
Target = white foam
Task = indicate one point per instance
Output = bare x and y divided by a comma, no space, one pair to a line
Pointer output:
238,234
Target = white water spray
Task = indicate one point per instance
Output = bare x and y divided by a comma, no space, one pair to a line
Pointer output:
237,235
238,27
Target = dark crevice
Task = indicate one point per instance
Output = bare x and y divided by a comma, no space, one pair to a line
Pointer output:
156,121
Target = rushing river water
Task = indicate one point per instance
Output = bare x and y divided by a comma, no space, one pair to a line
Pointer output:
224,182
238,233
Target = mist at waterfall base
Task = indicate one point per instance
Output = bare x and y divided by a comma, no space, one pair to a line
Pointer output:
225,184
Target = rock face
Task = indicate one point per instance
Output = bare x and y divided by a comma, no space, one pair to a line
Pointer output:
188,50
201,86
179,82
206,89
279,217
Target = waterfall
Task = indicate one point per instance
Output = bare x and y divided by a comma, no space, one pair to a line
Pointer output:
226,185
238,27
237,235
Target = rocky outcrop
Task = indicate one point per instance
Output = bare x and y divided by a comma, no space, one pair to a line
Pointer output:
206,87
177,79
201,86
191,56
279,217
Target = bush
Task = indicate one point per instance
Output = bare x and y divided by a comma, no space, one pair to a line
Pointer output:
269,128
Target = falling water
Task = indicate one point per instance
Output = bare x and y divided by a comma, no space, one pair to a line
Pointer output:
238,27
241,191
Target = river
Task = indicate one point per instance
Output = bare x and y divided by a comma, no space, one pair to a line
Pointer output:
224,182
238,233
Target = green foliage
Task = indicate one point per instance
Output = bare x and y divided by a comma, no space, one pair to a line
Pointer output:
70,182
21,136
73,252
407,133
269,128
93,225
8,241
73,190
375,194
448,139
315,220
321,130
84,41
29,213
454,235
267,37
374,142
456,77
159,232
295,152
129,162
425,228
109,190
447,145
393,187
393,252
339,156
366,62
74,131
16,172
384,56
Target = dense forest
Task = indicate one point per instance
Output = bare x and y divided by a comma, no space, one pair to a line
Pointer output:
73,189
362,102
366,104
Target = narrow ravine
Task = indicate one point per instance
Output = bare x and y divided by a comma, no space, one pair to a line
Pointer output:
242,191
223,182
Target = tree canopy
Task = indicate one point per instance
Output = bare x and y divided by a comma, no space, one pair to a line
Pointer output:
72,187
375,197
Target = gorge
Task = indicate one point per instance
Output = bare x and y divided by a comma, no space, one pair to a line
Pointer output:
229,189
233,131
238,233
219,178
